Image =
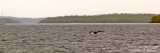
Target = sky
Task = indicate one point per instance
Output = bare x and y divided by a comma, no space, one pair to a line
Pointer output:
52,8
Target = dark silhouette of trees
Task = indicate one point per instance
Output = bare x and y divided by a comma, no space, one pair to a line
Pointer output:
105,18
8,20
155,19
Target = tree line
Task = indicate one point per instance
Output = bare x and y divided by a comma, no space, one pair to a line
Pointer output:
105,18
8,20
155,19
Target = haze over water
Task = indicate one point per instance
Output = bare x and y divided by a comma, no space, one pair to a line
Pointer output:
52,8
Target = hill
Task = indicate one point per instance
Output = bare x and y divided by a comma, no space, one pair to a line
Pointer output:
155,19
105,18
8,20
29,20
25,20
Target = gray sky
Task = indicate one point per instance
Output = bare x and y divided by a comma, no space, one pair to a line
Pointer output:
48,8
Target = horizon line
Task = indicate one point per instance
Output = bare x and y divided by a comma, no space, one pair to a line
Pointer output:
76,15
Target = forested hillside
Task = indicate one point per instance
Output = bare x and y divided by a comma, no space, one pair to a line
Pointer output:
105,18
155,19
29,20
8,20
24,20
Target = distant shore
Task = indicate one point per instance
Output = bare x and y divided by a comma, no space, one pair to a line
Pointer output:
73,23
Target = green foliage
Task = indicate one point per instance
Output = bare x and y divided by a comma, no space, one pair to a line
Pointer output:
155,19
106,18
8,20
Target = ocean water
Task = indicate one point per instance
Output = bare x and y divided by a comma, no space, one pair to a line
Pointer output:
79,23
76,38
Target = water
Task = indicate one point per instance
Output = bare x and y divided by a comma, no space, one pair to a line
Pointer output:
75,37
77,23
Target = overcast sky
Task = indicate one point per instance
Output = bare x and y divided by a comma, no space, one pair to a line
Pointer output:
48,8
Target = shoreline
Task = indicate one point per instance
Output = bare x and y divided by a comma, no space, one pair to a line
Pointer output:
78,23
